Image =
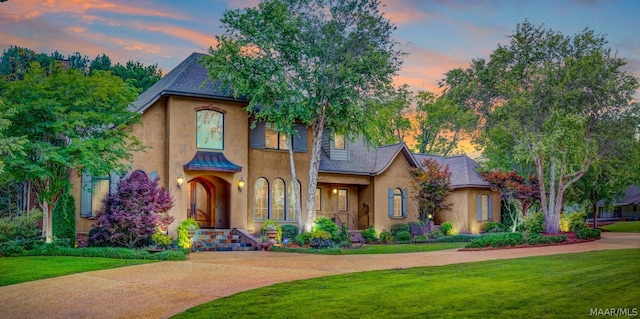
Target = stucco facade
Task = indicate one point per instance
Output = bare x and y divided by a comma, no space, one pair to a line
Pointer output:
234,185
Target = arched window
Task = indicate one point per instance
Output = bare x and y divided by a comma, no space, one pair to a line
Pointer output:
210,130
261,199
291,200
277,200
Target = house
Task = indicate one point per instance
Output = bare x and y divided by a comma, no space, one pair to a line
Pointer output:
625,207
227,170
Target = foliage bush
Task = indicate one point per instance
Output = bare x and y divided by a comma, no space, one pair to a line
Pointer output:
183,232
399,227
162,239
447,228
64,220
107,252
328,225
572,222
538,239
272,225
304,238
588,233
403,236
534,223
131,214
386,237
460,238
321,239
491,227
370,235
310,250
20,227
499,240
290,231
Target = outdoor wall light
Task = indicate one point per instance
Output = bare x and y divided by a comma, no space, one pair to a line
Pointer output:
335,190
179,181
240,184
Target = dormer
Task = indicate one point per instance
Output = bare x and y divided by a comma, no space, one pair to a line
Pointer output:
336,146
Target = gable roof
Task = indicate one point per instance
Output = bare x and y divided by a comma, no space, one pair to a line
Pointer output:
364,160
186,79
464,170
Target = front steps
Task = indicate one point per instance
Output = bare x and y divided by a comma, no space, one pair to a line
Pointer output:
219,240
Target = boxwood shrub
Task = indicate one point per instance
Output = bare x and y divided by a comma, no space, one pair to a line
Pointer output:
500,240
460,238
107,252
588,233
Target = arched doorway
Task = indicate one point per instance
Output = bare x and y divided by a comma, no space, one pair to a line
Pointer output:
209,201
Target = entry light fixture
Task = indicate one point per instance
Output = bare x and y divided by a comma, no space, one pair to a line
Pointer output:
179,181
335,190
240,184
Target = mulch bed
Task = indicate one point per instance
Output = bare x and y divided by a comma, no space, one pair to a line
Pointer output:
571,239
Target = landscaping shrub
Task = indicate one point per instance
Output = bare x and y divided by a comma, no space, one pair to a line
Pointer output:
304,238
321,239
370,235
403,236
538,239
328,225
588,233
447,228
19,233
183,232
399,227
310,250
131,214
460,238
290,231
572,222
534,223
64,220
386,237
499,240
161,239
107,252
491,227
272,225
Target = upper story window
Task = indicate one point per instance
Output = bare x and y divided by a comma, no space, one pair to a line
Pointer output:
210,129
338,142
274,139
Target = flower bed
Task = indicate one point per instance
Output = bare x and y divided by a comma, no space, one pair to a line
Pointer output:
518,240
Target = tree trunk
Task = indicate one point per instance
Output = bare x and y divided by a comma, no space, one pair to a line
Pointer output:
317,128
296,185
47,226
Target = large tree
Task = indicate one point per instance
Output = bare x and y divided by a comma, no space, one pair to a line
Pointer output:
71,122
431,184
564,102
319,62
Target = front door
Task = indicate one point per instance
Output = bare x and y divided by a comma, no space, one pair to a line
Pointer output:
202,202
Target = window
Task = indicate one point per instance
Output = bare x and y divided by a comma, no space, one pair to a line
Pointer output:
342,200
292,200
274,139
397,201
93,191
261,197
318,199
277,200
210,129
99,190
338,141
484,209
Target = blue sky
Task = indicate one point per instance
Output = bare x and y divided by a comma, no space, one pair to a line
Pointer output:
439,35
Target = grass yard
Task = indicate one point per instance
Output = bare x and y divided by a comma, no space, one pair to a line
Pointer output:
15,270
623,227
405,248
559,286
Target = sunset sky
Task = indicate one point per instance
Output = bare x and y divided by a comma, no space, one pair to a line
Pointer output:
439,34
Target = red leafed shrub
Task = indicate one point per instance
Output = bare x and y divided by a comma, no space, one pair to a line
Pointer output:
133,213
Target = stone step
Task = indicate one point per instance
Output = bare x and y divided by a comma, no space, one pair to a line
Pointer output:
218,240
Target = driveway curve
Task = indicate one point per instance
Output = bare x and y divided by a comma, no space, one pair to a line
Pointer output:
160,290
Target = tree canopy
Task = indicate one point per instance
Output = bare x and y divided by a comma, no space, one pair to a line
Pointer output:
323,63
558,103
69,121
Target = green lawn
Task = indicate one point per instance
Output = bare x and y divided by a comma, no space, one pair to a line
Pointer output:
623,227
394,249
559,286
15,270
